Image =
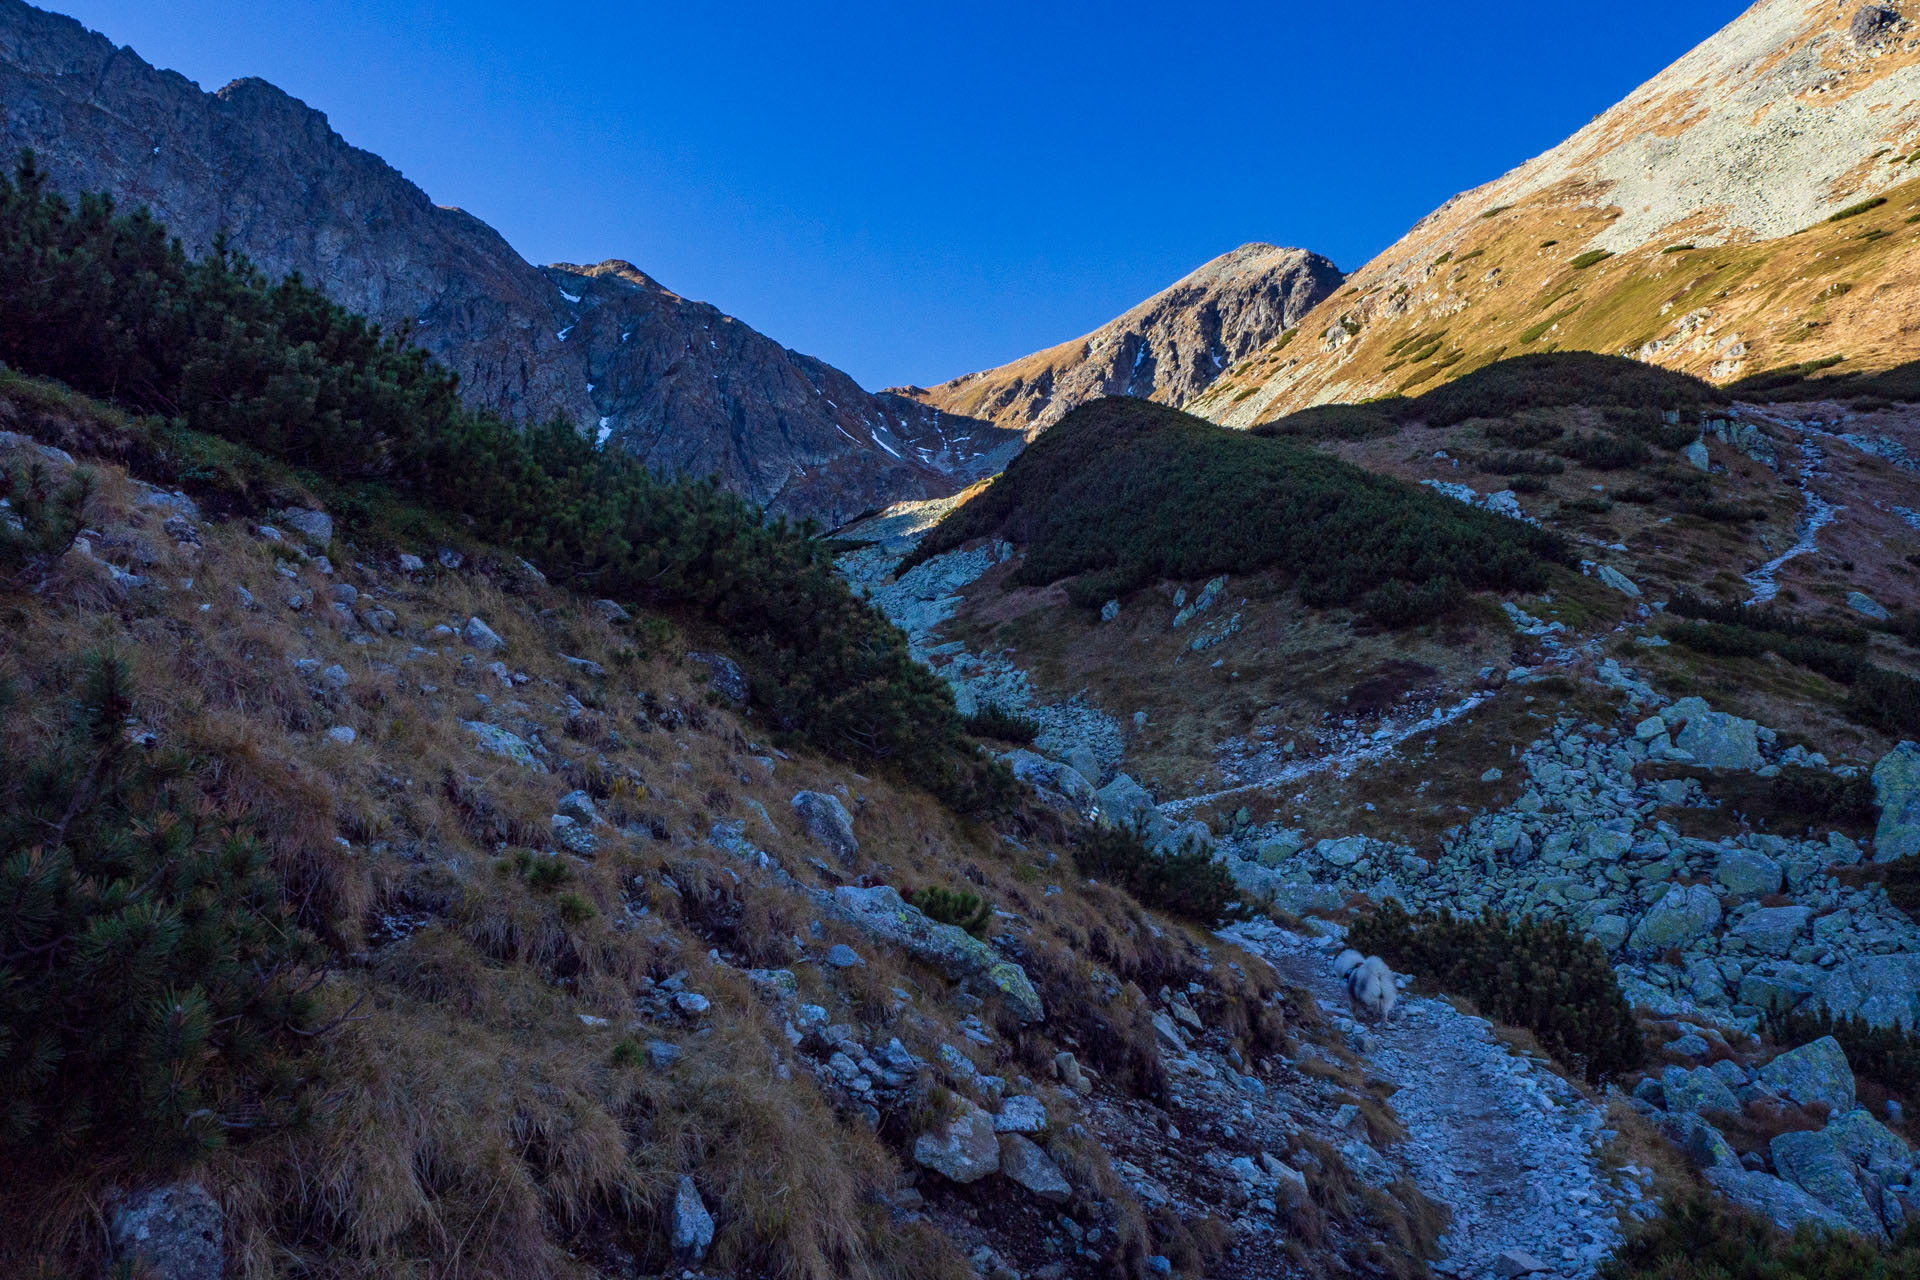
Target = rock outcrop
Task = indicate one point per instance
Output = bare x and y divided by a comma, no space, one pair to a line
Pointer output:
675,382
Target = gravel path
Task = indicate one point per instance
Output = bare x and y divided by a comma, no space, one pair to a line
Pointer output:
1507,1145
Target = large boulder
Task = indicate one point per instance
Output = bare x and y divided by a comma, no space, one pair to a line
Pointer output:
1871,1145
1816,1072
315,526
1697,1089
1050,776
1714,739
1885,990
952,950
1778,1201
1747,874
1818,1165
1685,914
1896,785
1772,931
964,1148
171,1232
1026,1165
1125,803
828,822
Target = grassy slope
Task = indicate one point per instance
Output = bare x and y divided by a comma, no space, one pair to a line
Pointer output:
1498,287
469,1121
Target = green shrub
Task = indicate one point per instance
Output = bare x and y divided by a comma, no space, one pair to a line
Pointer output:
1719,511
1093,590
1837,651
1855,210
1122,483
1822,795
956,907
1888,700
1508,463
1703,1238
1530,973
1335,422
153,990
542,872
1591,257
1552,379
994,721
1603,452
110,306
1186,883
1534,332
49,520
1523,433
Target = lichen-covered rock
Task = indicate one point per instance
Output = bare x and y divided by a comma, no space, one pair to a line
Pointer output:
1816,1164
1696,1089
724,676
1686,913
1871,1145
964,1148
1022,1113
1772,930
1026,1165
1714,739
172,1232
1883,989
882,912
1747,874
1816,1072
315,526
827,821
1702,1144
1776,1200
494,739
692,1224
1046,775
1125,803
1896,785
481,636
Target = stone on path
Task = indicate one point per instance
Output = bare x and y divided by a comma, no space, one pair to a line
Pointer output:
1516,1262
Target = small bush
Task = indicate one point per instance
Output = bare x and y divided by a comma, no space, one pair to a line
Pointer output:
1186,883
1591,257
994,721
1888,700
1523,433
1509,463
1855,210
48,520
956,907
1093,590
1820,795
153,989
1531,973
1603,452
1701,1238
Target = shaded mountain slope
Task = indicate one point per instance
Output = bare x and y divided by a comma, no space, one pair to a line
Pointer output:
294,196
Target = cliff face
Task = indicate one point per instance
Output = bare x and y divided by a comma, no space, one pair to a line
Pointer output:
1170,348
1692,225
294,196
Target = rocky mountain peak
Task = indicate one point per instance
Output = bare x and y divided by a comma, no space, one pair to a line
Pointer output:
1169,348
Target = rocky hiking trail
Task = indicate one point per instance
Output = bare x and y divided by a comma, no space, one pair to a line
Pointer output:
1507,1146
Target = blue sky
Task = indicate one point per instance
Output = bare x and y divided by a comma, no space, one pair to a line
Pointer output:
915,191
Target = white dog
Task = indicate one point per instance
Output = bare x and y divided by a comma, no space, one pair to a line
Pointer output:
1347,961
1370,988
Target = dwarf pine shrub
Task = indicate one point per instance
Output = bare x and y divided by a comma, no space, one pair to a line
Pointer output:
39,523
994,721
957,907
1186,882
1530,973
153,988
